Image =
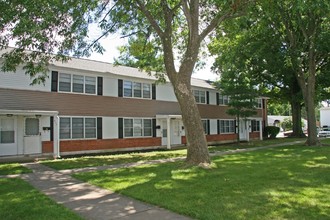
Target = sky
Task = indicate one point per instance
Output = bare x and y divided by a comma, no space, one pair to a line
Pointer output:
112,42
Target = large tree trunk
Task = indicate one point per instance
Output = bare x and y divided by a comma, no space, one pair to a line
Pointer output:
296,119
197,151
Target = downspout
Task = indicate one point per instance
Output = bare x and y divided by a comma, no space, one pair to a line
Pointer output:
58,136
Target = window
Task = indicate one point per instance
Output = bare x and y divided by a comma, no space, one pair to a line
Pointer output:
259,103
227,126
31,126
137,90
255,125
7,131
206,126
77,83
77,128
223,99
137,127
65,82
199,96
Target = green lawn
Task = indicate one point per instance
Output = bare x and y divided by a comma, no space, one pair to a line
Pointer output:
13,168
91,161
19,200
282,183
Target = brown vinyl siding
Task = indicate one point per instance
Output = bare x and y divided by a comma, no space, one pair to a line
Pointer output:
92,105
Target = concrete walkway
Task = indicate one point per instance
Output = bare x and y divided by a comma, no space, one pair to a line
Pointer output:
89,201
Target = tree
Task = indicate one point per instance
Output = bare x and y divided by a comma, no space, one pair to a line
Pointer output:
283,45
242,95
173,31
304,26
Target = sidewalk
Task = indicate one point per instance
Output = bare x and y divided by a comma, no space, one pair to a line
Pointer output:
89,201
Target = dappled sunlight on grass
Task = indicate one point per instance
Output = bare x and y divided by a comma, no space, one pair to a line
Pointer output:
268,184
19,200
13,168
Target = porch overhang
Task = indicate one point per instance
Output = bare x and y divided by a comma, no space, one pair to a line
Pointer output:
168,116
9,112
38,113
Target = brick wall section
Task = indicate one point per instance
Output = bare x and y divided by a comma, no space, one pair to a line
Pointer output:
215,138
106,144
254,135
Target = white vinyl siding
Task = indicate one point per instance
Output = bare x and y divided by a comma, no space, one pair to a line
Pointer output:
227,126
78,128
76,83
137,127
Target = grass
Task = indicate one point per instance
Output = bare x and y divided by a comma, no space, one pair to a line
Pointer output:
290,182
91,161
13,168
19,200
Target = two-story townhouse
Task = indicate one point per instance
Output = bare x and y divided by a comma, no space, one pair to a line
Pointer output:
90,107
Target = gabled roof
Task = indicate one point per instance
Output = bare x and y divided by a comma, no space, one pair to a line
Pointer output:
104,67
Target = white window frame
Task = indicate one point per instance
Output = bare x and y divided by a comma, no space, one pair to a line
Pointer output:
223,99
259,103
134,126
142,89
205,126
84,85
255,127
227,123
199,94
83,127
6,128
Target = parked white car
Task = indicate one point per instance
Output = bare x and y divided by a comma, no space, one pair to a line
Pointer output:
324,132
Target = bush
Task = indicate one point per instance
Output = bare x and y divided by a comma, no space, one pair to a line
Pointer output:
272,131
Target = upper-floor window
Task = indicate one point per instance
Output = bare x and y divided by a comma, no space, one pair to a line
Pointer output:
255,125
77,83
259,103
137,90
137,127
223,99
200,96
227,126
77,128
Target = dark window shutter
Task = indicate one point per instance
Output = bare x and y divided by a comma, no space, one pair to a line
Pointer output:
218,96
208,126
120,88
99,85
99,128
51,128
207,97
120,128
54,81
154,91
218,126
154,127
235,126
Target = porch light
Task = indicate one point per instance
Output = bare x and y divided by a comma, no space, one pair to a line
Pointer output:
9,115
38,116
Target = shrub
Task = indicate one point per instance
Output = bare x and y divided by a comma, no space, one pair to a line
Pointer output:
272,131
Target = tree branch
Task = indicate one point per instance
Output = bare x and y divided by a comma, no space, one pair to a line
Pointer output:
150,18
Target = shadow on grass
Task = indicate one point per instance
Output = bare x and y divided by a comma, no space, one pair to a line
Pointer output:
284,183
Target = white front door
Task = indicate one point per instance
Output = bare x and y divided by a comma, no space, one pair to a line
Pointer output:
243,130
8,132
175,131
32,136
